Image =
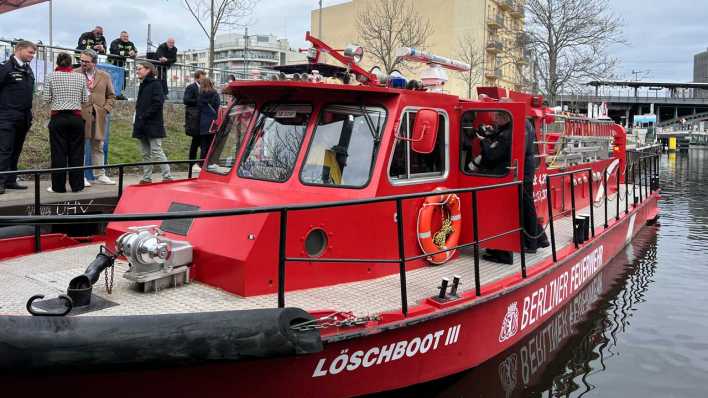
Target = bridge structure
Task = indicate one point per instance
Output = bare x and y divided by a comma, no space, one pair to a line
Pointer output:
676,105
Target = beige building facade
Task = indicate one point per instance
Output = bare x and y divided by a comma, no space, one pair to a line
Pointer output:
494,27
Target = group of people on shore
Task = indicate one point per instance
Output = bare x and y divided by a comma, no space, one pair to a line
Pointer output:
122,48
80,99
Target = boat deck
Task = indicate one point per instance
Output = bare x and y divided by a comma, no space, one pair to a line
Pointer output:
49,273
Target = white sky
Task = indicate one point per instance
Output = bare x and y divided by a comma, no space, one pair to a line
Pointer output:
663,36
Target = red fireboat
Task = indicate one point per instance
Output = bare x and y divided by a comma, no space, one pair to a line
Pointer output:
334,242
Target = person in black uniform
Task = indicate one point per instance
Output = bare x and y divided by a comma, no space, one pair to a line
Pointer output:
123,48
495,145
16,90
166,55
534,237
93,40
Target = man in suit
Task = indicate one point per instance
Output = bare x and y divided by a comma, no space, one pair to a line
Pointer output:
101,100
191,114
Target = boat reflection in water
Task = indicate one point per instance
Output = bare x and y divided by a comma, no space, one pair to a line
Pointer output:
561,356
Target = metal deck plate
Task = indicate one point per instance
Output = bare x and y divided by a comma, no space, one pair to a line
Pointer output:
49,273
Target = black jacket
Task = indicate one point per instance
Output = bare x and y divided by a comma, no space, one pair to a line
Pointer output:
169,53
191,110
149,122
496,151
122,49
88,41
208,110
530,162
16,89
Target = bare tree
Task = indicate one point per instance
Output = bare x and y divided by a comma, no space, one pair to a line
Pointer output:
212,15
388,25
570,38
470,52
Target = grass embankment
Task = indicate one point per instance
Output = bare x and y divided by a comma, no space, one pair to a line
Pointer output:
122,147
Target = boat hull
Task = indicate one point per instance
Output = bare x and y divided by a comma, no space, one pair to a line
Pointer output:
395,355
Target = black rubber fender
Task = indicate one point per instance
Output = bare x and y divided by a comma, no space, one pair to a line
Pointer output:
112,341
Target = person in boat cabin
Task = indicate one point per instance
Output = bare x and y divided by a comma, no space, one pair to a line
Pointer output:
494,159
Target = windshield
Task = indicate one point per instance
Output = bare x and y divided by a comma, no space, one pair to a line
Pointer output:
344,146
275,142
229,139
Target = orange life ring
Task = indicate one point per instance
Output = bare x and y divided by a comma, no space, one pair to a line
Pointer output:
451,204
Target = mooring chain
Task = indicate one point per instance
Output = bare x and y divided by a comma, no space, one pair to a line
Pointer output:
321,323
109,286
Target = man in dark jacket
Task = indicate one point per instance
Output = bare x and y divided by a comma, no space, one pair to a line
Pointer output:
534,235
93,40
166,55
123,48
496,148
16,90
149,126
191,113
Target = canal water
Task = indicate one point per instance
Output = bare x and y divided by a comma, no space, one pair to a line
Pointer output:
639,329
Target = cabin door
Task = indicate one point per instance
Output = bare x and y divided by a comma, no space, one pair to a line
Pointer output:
491,152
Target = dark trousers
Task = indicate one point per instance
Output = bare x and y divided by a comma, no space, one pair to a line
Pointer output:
531,225
162,72
205,141
13,131
194,147
66,140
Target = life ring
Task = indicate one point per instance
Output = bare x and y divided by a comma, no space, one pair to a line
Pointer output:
450,232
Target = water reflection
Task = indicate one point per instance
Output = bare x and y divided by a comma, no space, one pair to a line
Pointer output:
638,329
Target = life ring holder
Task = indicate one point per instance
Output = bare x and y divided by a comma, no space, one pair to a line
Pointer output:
426,238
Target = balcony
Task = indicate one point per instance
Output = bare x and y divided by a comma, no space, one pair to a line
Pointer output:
506,5
493,73
494,46
518,10
495,21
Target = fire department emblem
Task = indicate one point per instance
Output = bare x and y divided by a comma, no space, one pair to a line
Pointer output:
510,324
507,374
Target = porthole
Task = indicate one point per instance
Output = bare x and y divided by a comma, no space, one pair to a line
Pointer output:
316,242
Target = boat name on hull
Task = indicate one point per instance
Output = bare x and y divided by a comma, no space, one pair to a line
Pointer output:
391,352
542,301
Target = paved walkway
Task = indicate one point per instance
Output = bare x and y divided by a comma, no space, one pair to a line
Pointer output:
13,197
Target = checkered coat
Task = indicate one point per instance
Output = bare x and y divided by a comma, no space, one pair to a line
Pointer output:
65,91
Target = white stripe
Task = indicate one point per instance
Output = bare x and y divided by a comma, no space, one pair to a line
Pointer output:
424,235
456,218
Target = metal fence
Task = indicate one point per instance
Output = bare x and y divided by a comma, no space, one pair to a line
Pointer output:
178,76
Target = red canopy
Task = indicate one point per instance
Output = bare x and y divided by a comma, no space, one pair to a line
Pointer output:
11,5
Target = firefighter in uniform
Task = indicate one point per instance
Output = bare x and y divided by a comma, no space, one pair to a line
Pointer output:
93,40
16,91
123,48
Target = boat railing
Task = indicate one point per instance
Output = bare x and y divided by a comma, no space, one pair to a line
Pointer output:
644,164
37,173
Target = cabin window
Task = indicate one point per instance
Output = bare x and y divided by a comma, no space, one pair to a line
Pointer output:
229,139
344,146
406,164
485,143
274,145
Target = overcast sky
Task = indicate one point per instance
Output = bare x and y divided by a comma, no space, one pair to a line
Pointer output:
663,36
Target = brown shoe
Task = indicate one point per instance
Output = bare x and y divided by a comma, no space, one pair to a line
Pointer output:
143,182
